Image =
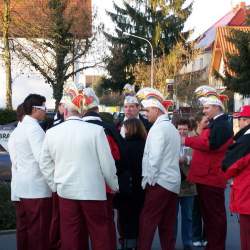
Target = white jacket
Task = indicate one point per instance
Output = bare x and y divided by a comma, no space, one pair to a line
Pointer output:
25,147
76,160
12,152
161,156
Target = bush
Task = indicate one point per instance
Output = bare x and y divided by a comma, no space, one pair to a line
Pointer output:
7,116
7,210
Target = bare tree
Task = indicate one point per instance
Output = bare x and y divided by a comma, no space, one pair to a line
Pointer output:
56,37
6,52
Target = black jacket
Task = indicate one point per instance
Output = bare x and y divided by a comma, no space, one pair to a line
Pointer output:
220,132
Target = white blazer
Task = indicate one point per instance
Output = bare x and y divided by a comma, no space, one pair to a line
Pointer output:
25,147
76,160
12,153
160,162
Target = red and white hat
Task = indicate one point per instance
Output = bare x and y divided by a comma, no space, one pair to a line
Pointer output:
72,96
90,100
153,98
244,112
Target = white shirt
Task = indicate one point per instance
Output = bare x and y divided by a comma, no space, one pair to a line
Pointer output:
25,147
76,160
161,156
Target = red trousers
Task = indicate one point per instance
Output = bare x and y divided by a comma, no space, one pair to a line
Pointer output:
54,233
21,227
111,223
78,218
245,231
212,204
159,210
36,217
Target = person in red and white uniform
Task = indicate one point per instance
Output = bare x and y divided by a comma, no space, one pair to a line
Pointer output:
161,176
237,166
77,162
91,115
209,150
30,186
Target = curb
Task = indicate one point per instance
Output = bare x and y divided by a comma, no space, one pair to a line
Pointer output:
4,232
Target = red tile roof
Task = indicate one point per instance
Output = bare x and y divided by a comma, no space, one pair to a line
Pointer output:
236,17
222,46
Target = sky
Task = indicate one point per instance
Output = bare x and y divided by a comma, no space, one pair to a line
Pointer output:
205,12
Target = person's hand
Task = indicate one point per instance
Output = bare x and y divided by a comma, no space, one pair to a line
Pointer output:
183,140
182,159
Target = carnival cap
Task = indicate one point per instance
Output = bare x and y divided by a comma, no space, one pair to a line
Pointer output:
72,96
153,102
244,112
90,100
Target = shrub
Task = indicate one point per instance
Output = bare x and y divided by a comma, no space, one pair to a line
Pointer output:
7,116
7,210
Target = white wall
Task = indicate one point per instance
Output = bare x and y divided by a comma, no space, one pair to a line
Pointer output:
201,61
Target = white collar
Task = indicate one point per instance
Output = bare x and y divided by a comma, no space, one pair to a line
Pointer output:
126,118
218,116
163,117
28,118
73,117
91,118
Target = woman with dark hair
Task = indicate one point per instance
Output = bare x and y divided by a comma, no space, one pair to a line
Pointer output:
30,185
131,197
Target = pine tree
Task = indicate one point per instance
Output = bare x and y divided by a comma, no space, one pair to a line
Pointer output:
159,21
237,76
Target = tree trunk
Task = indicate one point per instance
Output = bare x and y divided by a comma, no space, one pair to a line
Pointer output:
6,53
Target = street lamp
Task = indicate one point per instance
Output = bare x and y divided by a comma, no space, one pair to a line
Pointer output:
152,54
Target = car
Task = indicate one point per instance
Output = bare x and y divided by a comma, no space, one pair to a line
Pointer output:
5,167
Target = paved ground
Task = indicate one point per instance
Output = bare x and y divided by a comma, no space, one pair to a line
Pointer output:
7,242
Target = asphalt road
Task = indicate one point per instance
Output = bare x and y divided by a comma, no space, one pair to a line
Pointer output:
7,241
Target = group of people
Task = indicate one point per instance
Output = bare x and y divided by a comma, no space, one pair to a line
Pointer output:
67,181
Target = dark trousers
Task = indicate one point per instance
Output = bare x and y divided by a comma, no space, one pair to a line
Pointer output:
78,218
186,205
21,227
197,222
212,204
54,234
159,210
111,223
37,217
245,231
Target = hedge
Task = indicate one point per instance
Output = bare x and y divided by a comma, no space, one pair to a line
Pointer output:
7,116
7,210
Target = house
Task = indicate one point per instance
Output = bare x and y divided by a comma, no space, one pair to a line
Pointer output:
222,46
25,79
198,69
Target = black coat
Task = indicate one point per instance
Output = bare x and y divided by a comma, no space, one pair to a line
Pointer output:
130,206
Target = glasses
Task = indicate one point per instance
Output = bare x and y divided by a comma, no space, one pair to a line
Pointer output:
40,107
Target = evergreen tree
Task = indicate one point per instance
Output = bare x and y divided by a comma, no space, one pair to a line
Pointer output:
237,75
159,21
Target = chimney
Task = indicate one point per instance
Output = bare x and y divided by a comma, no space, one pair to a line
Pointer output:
242,5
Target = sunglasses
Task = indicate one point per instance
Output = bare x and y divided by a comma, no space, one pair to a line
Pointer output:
40,107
